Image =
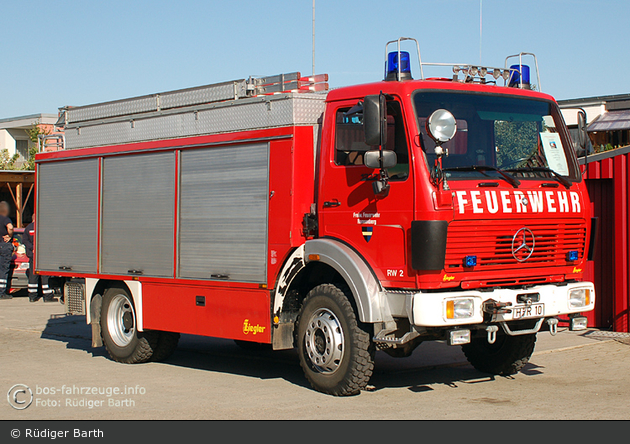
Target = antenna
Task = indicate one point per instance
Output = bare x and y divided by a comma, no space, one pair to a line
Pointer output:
480,26
313,37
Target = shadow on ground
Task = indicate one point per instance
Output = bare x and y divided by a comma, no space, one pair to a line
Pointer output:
430,365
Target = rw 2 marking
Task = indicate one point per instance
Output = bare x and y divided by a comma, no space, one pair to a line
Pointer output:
395,273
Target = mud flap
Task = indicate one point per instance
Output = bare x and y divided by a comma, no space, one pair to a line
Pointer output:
95,313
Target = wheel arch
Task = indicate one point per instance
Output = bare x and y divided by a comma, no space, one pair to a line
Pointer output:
95,289
328,259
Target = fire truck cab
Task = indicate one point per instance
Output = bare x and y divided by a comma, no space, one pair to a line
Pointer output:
370,217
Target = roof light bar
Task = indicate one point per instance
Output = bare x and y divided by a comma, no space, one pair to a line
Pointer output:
515,75
475,72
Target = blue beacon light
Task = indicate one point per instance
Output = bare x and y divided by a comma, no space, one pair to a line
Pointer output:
572,256
470,261
392,66
515,78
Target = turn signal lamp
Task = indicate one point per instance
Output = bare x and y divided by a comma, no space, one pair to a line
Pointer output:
459,308
393,64
515,77
579,297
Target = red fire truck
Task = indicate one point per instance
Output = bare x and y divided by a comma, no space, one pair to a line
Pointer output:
369,217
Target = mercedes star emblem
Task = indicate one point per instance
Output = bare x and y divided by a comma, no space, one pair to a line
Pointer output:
523,244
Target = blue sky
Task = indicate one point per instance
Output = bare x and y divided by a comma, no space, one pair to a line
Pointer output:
57,53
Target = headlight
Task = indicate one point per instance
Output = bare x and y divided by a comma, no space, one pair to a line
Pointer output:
579,297
459,308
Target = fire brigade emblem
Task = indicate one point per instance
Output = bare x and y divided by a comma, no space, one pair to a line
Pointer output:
367,233
523,244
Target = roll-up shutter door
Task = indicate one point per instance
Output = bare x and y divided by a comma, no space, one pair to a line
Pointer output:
138,214
67,216
223,213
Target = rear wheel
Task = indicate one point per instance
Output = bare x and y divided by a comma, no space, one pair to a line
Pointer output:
166,345
507,356
121,337
335,350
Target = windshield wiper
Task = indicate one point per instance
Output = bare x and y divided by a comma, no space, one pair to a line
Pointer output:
481,168
542,169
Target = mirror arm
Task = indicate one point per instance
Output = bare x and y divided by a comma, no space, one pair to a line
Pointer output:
381,185
586,139
437,174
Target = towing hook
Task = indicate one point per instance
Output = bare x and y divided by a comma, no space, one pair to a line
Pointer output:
492,333
494,307
553,326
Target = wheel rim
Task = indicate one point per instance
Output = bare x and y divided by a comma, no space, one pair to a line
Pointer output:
121,320
324,341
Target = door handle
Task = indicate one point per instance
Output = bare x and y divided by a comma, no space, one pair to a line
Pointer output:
329,204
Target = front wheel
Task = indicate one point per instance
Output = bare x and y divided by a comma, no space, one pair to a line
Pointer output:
120,334
507,356
335,350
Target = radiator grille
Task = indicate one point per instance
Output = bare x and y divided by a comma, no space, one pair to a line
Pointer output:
491,242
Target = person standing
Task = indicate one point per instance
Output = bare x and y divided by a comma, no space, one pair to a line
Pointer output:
34,280
6,250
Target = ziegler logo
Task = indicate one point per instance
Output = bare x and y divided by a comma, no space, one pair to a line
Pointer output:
577,270
447,278
254,329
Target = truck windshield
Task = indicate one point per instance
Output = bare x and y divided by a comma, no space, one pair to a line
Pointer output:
522,137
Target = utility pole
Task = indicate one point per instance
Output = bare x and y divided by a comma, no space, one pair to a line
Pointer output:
313,37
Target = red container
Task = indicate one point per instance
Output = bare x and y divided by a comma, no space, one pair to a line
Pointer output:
607,179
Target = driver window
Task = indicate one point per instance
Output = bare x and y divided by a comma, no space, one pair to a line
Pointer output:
350,140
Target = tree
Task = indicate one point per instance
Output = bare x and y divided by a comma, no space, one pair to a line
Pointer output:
7,162
515,141
33,134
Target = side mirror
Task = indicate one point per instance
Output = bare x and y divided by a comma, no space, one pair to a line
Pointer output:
375,120
380,159
582,134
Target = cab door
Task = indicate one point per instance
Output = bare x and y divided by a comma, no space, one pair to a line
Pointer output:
375,226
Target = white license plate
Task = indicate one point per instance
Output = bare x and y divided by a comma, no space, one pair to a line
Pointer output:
528,311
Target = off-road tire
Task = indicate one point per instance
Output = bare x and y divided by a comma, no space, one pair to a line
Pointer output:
166,345
357,362
507,356
141,345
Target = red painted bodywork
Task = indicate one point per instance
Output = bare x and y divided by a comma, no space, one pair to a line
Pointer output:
608,182
170,303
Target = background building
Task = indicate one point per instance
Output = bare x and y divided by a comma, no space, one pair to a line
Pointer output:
608,119
14,134
16,179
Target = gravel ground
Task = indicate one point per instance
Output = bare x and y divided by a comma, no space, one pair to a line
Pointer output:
574,375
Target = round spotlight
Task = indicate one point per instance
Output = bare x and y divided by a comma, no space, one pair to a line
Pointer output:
483,72
441,125
455,69
496,73
473,71
506,74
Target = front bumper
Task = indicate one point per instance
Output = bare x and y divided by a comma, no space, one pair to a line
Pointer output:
430,309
